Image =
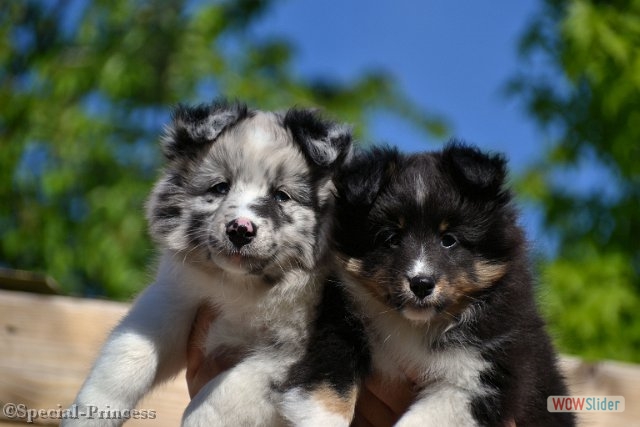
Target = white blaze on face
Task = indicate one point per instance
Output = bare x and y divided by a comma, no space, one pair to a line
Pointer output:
247,195
256,143
262,136
420,190
259,138
420,266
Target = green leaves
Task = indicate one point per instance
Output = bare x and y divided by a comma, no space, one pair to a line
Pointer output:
85,91
592,304
592,290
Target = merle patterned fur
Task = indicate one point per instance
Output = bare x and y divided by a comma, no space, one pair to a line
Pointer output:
242,214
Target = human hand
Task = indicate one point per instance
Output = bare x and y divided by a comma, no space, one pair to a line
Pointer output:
201,369
380,404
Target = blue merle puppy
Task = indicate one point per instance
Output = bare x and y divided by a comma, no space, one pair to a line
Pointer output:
242,214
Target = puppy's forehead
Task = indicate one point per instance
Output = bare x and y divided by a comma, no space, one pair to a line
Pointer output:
262,131
259,148
416,194
420,182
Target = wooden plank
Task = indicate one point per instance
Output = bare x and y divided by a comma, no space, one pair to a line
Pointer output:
27,281
48,343
606,378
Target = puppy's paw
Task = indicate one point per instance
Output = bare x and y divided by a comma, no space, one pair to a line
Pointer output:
202,415
445,416
320,407
238,397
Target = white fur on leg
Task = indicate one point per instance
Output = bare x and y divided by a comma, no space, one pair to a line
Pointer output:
138,354
238,397
122,373
444,406
303,410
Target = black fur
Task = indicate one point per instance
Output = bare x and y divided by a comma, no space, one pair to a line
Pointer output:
358,184
362,177
390,206
337,354
476,173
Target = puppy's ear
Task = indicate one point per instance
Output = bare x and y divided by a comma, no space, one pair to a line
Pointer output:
323,143
193,127
362,177
475,172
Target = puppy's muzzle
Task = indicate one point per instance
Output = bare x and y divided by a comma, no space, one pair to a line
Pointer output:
241,231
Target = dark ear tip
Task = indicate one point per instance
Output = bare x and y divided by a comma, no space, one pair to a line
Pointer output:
183,114
363,175
309,122
299,115
324,142
475,168
193,126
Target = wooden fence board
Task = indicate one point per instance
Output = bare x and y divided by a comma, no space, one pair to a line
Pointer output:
47,344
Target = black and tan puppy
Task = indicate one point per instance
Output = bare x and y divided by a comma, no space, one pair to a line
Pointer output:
437,269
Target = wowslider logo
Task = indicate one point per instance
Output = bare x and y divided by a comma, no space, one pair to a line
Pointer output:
585,403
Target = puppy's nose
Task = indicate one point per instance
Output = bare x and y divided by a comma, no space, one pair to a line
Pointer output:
241,231
422,286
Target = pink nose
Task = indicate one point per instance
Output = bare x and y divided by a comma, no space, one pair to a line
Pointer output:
241,231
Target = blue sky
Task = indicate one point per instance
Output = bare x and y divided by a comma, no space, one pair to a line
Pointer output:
450,57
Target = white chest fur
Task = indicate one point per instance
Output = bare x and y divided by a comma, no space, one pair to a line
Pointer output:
250,313
403,349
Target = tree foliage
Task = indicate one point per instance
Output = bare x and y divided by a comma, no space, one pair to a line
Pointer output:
85,88
592,285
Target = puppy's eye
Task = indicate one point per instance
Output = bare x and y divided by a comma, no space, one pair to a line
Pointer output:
448,241
220,189
280,196
390,239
